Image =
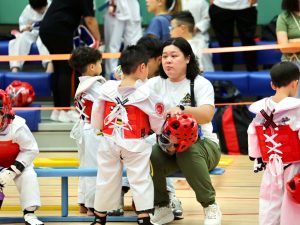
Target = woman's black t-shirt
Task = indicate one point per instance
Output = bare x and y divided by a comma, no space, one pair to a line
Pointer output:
63,16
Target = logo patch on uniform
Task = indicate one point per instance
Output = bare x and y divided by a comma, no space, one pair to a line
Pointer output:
159,108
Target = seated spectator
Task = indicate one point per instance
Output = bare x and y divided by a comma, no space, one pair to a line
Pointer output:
288,29
29,23
182,25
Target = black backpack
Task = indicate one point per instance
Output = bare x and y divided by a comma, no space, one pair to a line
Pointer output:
231,121
268,31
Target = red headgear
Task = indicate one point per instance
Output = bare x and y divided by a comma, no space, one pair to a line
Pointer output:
5,109
180,130
293,188
21,93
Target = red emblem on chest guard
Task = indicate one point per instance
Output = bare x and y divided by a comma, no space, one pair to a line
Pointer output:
159,108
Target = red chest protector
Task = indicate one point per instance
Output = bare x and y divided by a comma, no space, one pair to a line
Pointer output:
86,113
137,119
289,149
88,109
8,153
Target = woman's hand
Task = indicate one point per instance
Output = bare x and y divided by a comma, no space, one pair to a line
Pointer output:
174,111
252,2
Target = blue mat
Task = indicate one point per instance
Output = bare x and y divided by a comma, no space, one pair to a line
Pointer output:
32,117
40,81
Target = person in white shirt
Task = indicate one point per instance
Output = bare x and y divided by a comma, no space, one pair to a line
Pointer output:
183,25
122,24
199,10
29,22
179,69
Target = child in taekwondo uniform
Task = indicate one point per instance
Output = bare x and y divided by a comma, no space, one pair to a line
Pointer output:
273,139
125,114
18,149
86,61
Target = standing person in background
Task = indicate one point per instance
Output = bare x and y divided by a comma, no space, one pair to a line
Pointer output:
182,25
288,29
199,10
29,24
122,24
224,14
163,10
18,150
86,61
56,31
273,140
180,68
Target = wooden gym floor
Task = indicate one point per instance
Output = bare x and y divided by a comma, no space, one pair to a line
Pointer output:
237,194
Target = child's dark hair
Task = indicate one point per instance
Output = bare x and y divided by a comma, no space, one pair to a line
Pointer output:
185,18
38,4
283,73
83,56
152,45
132,57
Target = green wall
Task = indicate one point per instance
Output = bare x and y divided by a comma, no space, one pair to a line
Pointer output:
11,9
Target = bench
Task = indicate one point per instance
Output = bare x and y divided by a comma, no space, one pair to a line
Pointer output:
74,162
41,83
265,57
248,83
65,173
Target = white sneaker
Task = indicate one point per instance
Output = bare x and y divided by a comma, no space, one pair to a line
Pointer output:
30,219
175,205
162,215
54,115
64,117
212,214
74,115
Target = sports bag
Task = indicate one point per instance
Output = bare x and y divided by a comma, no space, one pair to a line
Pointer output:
231,122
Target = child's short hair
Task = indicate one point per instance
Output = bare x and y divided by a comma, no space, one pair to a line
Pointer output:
185,18
132,57
83,56
283,73
152,45
38,4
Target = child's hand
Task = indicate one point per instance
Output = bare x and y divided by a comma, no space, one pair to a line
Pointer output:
6,176
112,10
259,165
